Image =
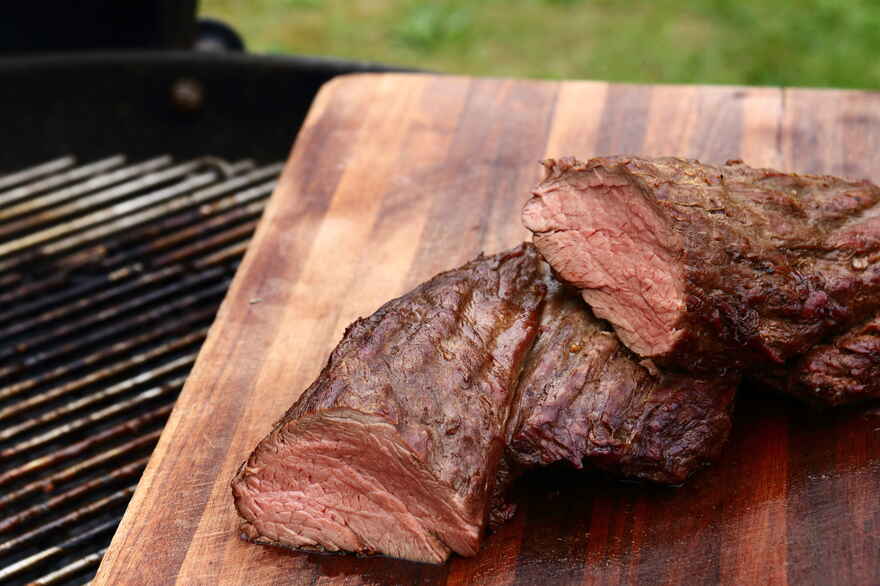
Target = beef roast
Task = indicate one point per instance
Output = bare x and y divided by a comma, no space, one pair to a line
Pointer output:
584,395
708,267
844,370
396,446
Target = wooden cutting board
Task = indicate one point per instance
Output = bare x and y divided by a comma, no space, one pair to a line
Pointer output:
396,177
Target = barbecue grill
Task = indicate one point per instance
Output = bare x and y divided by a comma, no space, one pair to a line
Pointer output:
130,185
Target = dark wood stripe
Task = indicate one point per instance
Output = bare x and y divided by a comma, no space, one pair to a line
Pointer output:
457,191
832,508
498,561
718,133
716,136
515,166
763,127
559,527
428,176
624,120
859,121
485,146
811,139
754,489
857,434
832,505
514,171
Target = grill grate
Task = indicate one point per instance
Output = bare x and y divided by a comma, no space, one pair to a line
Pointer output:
110,274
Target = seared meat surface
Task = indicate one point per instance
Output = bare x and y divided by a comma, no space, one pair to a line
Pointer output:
842,371
584,396
710,268
396,447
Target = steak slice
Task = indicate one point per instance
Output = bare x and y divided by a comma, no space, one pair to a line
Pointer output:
395,448
843,371
584,395
708,267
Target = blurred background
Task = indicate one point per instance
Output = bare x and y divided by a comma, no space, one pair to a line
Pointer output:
755,42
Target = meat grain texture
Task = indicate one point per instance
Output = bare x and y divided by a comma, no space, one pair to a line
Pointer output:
396,447
583,396
710,268
843,370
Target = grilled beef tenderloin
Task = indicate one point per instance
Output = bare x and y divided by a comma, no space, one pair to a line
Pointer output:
395,448
711,267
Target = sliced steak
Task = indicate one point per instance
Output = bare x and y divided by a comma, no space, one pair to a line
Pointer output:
709,267
395,448
845,370
584,396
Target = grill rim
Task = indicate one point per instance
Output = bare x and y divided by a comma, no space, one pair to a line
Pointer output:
197,61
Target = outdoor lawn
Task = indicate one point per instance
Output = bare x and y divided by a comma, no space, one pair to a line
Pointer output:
764,42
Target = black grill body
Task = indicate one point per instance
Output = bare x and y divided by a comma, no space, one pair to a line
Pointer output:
97,104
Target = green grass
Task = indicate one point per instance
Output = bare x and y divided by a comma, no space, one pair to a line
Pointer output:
797,43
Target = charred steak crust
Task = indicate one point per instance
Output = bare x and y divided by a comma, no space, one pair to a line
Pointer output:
584,396
395,448
711,267
845,370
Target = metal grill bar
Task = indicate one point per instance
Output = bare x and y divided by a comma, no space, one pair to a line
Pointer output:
115,351
32,173
230,252
110,273
71,569
97,376
120,327
95,417
31,561
41,294
90,464
84,489
71,195
237,234
94,226
179,255
82,303
148,213
187,282
103,214
31,189
113,391
117,498
173,231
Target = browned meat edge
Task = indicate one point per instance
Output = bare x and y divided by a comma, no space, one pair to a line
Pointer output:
845,370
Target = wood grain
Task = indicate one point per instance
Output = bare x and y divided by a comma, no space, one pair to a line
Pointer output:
396,177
